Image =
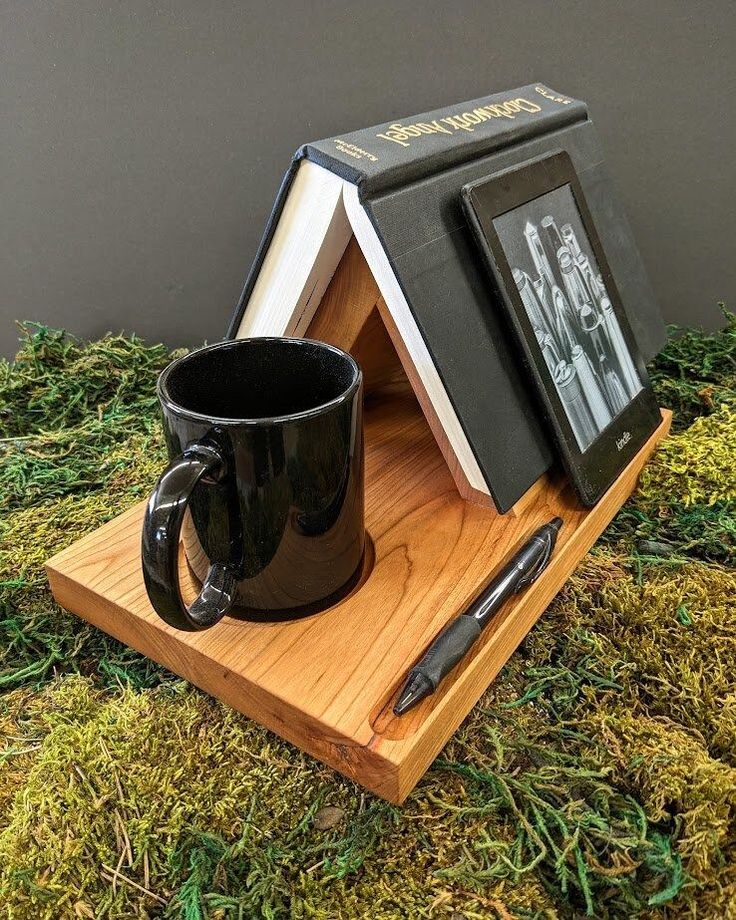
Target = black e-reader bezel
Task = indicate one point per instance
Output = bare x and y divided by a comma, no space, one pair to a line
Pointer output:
594,469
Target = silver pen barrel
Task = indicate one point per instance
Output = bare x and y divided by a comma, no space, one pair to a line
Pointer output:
597,291
536,250
616,392
576,408
535,310
591,387
577,291
631,380
550,353
565,323
570,240
552,241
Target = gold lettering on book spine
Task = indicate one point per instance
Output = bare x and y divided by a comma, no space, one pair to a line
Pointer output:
465,121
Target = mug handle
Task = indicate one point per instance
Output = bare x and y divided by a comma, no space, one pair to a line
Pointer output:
160,545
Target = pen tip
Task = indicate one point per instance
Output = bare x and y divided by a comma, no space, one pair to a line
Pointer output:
416,688
556,523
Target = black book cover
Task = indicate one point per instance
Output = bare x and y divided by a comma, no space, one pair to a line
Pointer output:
409,173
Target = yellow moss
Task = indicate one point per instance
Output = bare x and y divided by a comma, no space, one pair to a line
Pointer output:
29,536
695,466
19,746
676,633
141,781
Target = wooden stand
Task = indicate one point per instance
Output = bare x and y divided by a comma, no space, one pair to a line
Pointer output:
327,683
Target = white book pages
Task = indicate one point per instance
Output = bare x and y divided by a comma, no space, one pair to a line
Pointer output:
306,248
378,262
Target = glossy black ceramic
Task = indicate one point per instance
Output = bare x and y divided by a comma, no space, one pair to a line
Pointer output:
265,482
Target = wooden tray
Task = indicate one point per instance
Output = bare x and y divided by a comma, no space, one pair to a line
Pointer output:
326,683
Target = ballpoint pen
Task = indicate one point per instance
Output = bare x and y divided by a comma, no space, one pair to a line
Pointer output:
452,644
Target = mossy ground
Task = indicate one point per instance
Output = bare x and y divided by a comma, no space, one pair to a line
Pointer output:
596,776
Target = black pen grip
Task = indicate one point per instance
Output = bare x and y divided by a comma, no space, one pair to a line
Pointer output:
448,648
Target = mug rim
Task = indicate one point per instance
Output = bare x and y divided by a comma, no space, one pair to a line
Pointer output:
177,409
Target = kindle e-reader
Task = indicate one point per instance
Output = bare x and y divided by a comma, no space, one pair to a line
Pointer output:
555,285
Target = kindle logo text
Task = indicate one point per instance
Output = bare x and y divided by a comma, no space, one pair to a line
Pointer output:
623,440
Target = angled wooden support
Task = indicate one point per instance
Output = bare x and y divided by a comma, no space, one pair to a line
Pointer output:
354,316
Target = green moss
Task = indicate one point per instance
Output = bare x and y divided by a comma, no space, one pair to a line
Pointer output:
209,812
596,776
80,443
643,668
695,373
687,493
73,417
57,382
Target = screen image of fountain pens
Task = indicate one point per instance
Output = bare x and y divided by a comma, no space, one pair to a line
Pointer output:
565,298
459,636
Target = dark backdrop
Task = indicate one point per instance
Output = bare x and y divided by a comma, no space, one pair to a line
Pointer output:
142,143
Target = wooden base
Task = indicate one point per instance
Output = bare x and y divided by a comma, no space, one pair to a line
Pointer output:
326,683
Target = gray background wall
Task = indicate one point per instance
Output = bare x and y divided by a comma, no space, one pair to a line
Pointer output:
142,143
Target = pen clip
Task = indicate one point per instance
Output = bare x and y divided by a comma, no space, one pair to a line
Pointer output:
536,570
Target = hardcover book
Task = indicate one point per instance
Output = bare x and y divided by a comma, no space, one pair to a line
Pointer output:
396,188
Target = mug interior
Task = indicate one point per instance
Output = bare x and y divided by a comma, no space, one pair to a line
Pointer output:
257,379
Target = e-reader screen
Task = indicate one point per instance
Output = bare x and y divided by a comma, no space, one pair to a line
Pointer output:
571,312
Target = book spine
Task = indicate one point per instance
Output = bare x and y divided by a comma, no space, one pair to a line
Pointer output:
403,151
397,153
260,255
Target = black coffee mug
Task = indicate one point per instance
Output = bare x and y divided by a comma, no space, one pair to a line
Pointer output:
265,483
